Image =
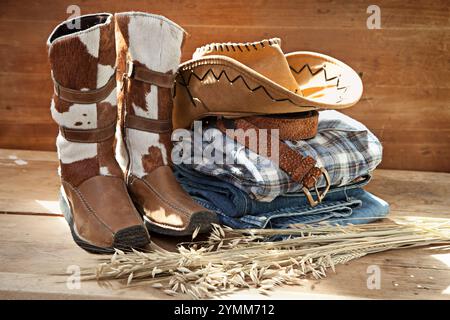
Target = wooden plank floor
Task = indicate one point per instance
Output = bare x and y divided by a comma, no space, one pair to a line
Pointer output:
36,249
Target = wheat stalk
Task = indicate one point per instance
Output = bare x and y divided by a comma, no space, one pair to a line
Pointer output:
233,259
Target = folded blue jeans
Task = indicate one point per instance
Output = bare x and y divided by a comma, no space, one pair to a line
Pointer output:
235,208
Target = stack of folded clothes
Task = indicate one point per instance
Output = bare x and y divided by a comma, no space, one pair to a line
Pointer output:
253,191
258,194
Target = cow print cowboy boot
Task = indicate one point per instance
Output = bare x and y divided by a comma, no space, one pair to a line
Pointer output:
94,196
148,53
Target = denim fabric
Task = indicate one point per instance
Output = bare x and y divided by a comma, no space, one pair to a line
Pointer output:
342,205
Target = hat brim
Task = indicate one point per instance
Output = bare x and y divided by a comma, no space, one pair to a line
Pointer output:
217,85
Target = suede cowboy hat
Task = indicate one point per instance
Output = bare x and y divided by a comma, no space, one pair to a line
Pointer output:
242,79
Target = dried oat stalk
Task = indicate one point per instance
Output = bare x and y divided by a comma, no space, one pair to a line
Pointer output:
234,259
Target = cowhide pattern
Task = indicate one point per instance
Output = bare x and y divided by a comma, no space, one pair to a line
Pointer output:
153,42
84,60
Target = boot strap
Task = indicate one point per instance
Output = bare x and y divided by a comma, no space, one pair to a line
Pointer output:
88,135
84,97
149,125
163,80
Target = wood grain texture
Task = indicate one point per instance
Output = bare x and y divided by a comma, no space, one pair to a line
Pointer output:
29,184
405,66
36,247
38,251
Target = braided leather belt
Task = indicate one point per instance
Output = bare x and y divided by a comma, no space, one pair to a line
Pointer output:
301,169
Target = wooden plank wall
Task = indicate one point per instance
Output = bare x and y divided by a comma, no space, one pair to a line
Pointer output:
405,66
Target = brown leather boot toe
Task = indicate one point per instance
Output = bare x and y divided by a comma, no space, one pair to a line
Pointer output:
101,215
166,207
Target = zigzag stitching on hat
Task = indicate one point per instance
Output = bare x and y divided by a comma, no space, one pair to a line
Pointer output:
325,75
223,72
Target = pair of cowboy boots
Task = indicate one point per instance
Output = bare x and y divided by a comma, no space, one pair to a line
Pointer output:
112,101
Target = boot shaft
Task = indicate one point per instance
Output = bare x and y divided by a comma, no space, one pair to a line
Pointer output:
83,60
151,45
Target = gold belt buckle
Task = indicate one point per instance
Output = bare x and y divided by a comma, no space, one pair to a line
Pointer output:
320,195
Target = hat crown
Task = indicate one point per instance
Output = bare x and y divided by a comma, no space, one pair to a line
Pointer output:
264,57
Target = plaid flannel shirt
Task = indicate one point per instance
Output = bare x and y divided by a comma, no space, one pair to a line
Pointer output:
343,146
